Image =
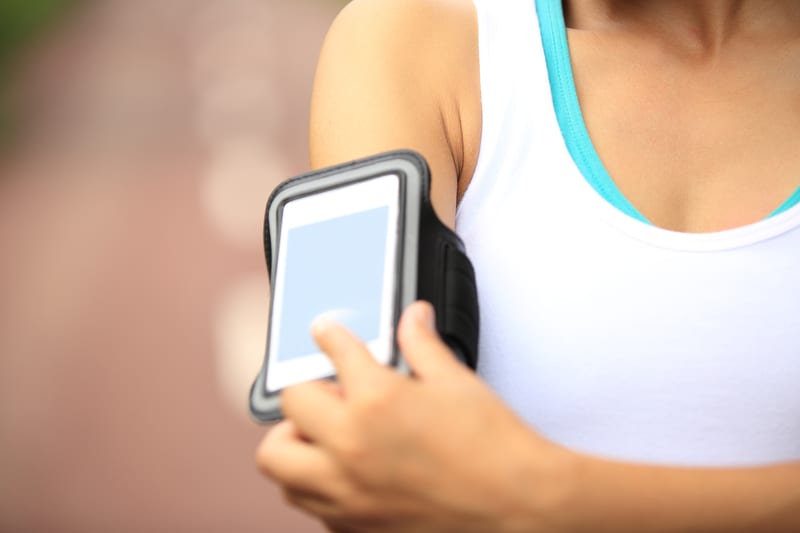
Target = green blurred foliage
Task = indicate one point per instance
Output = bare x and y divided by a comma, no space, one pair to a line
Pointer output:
20,22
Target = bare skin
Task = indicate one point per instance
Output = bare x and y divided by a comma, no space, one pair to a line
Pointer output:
694,107
715,149
402,74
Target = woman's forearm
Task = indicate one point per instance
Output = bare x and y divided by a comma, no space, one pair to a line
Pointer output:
605,495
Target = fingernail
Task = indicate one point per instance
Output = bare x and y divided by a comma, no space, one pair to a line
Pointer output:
424,315
320,326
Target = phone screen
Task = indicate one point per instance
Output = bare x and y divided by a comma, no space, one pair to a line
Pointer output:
336,259
334,269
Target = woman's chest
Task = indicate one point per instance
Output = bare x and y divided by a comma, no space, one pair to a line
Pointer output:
696,147
641,352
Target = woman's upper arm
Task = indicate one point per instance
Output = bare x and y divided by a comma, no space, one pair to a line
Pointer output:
387,79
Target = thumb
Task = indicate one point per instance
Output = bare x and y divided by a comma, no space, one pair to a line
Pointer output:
422,348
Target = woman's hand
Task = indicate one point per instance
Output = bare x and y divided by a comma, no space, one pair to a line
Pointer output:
384,452
440,452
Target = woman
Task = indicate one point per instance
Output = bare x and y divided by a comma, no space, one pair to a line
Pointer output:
625,175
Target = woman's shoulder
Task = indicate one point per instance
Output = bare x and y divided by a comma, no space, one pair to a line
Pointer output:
401,74
429,35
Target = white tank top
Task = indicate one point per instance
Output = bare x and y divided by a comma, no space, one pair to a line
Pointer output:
605,333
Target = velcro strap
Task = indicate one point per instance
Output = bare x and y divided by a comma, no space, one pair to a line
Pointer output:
459,318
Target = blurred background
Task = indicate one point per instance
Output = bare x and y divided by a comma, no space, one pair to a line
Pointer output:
139,141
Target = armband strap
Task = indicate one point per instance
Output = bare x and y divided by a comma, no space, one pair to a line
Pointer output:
459,323
447,280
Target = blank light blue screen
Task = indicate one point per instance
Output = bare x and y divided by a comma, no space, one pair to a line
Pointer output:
335,267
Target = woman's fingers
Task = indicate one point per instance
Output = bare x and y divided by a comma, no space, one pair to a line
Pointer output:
287,458
421,345
301,404
355,366
314,504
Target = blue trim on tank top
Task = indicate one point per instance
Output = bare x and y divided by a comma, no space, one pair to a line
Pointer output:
570,117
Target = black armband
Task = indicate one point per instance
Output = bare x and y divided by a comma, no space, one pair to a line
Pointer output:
361,242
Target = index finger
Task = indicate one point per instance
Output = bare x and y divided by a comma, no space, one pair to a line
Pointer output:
355,366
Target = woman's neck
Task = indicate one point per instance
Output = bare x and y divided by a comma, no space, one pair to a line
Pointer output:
701,26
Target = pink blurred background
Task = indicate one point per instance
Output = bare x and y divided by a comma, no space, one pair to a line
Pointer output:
133,291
